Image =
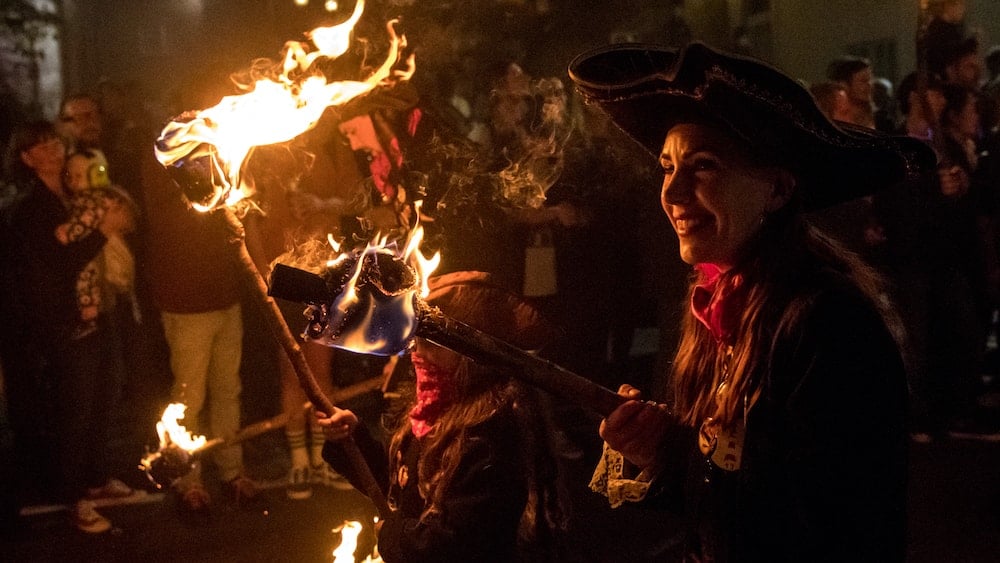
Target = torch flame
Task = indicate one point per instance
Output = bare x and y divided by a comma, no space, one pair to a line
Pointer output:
344,553
272,111
176,443
171,431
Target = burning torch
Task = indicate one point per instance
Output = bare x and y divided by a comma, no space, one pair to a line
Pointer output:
370,301
205,150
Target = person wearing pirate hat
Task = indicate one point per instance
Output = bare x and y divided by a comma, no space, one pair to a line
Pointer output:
784,437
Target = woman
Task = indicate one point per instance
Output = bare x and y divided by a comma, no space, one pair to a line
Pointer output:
470,474
82,368
785,438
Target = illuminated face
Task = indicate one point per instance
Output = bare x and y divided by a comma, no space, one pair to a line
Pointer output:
360,133
81,119
78,173
437,355
713,194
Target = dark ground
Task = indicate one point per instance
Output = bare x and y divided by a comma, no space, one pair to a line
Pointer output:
954,517
954,510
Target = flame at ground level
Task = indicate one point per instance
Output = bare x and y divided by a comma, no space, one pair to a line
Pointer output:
344,553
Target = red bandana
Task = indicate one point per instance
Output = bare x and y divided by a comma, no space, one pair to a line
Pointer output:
385,162
713,305
435,393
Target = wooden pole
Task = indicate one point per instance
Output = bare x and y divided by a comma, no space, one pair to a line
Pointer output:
290,345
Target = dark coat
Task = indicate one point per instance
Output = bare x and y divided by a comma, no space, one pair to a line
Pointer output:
482,508
45,270
823,476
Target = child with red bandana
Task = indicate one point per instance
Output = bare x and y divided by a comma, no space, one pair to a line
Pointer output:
470,474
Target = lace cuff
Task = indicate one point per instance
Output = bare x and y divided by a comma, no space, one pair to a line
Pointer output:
611,479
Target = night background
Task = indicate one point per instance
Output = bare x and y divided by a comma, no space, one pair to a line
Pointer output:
166,57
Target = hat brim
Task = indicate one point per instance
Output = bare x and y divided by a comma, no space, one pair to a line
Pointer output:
647,89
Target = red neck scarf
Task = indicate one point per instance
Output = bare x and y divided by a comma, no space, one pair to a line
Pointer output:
382,164
435,394
714,304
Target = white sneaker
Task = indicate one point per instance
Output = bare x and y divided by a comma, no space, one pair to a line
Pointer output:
298,484
87,519
112,489
324,475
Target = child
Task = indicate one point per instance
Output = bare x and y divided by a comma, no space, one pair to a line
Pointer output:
91,196
470,472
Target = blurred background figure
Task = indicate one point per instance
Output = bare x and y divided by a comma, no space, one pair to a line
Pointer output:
855,73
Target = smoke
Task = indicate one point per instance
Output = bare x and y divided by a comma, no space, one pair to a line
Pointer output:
534,146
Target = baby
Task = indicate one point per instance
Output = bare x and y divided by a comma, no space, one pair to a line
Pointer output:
112,272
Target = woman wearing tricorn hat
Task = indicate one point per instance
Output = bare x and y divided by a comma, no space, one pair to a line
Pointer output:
785,436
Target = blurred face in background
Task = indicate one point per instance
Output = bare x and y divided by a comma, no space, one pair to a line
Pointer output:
859,88
965,121
966,71
81,122
77,173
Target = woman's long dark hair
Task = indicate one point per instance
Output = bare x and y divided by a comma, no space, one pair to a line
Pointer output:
773,282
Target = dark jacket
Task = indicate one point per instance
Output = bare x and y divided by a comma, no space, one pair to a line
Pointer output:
823,476
45,270
192,261
482,508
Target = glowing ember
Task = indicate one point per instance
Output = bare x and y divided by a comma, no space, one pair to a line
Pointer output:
220,138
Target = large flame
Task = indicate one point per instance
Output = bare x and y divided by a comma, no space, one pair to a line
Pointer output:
272,111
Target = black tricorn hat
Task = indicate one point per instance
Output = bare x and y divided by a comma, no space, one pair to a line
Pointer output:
647,89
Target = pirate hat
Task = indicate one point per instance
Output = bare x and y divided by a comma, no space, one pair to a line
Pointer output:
647,89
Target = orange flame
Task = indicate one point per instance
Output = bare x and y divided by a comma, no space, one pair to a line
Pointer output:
344,553
172,433
273,110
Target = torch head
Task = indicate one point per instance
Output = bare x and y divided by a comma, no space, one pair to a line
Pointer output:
363,301
197,177
167,465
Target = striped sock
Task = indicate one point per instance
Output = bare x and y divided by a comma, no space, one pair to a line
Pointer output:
297,448
316,441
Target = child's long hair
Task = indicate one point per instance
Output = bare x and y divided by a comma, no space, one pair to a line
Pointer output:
481,393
